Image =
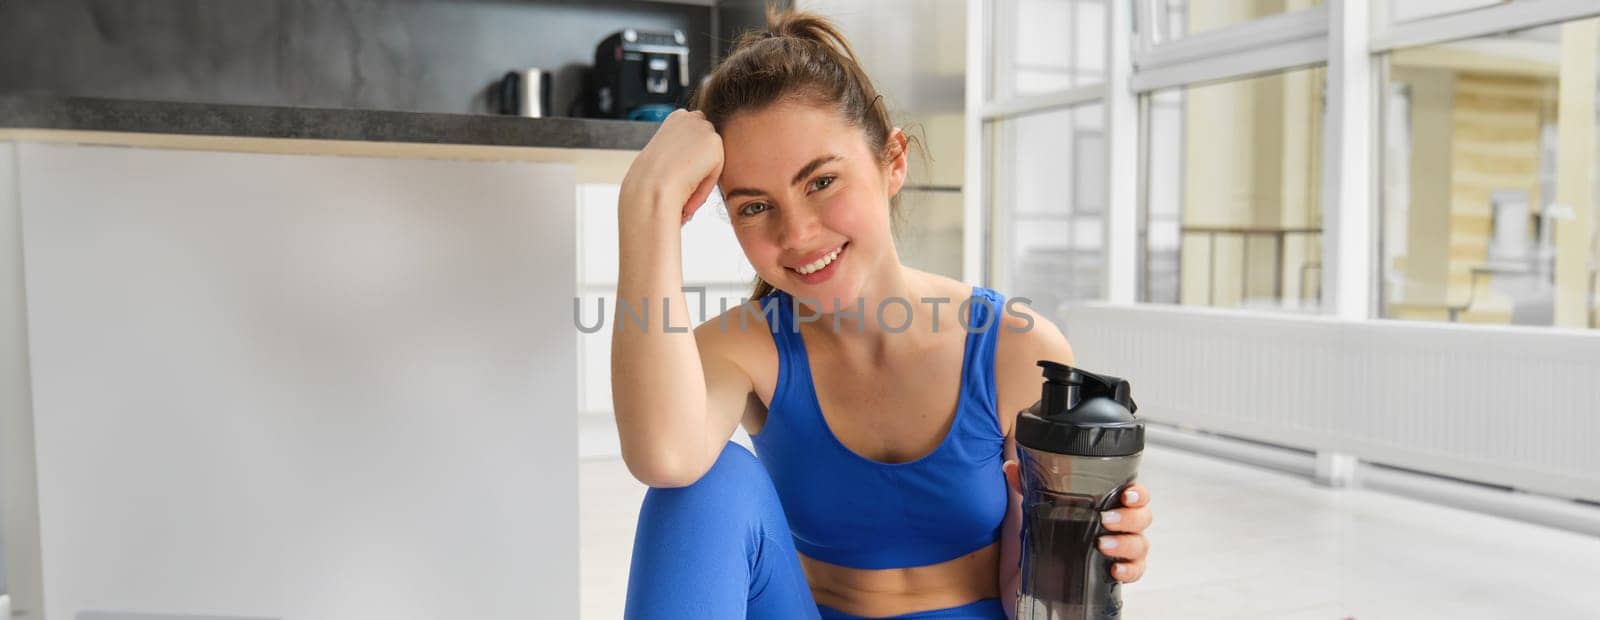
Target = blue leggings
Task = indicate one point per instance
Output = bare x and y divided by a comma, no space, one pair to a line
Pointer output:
721,548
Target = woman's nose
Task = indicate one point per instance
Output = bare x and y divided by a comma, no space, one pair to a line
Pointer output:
800,227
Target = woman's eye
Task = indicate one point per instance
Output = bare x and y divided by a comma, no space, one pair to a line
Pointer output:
821,183
753,208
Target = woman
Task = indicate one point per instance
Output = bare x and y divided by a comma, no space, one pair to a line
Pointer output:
882,424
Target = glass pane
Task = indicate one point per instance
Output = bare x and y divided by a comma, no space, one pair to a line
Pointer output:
1490,167
1233,212
1180,18
1047,45
1048,190
928,230
1411,10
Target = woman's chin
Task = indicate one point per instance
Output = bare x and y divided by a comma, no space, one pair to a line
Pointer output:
826,292
832,297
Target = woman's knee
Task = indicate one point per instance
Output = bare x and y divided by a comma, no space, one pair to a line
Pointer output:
721,543
736,479
736,467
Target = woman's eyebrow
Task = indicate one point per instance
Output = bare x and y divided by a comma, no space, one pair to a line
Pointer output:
799,177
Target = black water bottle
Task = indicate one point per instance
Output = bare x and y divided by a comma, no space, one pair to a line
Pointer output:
1078,448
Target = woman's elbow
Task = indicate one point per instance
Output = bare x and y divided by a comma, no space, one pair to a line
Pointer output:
663,469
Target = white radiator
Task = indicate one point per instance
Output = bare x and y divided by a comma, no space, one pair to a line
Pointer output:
1509,406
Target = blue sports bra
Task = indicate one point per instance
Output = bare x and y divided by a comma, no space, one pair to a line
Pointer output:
848,510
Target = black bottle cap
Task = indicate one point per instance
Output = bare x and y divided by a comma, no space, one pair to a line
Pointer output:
1081,413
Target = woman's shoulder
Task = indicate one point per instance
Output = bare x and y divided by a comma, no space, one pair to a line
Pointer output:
739,340
750,320
742,333
1026,332
1026,337
1022,329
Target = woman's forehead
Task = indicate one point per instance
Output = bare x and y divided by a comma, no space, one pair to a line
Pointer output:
780,139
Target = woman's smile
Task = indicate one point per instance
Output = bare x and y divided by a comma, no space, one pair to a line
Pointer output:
817,267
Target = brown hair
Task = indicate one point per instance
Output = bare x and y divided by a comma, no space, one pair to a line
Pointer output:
800,57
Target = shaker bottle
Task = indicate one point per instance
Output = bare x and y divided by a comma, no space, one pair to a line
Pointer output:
1078,448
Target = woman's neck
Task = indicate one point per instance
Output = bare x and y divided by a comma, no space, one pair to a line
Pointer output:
898,308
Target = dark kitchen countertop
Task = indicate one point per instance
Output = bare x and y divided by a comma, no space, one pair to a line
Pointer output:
46,112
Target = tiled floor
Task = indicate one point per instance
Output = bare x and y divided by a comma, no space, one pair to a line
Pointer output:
1233,541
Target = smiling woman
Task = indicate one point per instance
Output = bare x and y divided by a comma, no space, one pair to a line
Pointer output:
746,205
787,75
792,212
885,455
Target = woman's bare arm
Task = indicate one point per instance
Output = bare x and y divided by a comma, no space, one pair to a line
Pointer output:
1017,355
676,394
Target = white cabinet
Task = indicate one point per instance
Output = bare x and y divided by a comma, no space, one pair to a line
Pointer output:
292,386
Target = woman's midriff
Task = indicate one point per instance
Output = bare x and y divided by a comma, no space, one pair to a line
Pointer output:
895,591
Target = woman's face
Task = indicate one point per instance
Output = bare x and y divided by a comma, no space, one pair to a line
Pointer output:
809,201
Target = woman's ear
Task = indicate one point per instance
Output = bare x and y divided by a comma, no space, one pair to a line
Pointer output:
897,160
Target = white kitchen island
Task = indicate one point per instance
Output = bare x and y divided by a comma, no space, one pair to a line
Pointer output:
290,375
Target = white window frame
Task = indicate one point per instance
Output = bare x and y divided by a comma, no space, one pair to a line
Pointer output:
1269,45
975,184
1346,35
1516,15
1027,105
977,264
1263,45
1388,36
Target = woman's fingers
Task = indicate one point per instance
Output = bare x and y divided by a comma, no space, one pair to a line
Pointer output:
1129,546
1132,547
1124,546
1131,520
699,197
1135,496
1127,572
707,184
682,162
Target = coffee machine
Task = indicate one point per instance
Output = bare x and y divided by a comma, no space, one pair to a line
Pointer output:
639,75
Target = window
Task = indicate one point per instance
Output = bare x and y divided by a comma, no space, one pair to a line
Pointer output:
1176,19
1048,188
1489,179
1233,192
1411,10
1043,46
1045,148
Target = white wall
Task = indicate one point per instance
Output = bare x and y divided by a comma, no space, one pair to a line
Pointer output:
13,359
8,199
301,387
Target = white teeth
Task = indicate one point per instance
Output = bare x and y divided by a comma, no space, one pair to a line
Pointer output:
820,263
